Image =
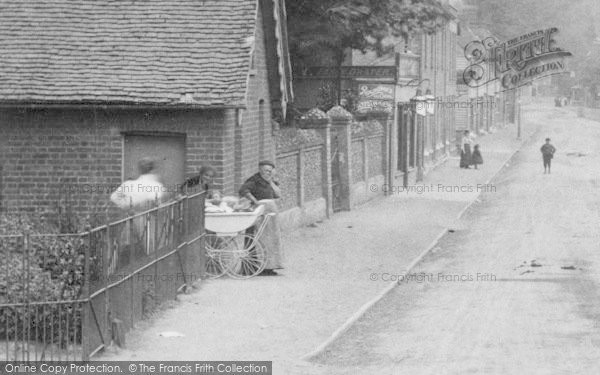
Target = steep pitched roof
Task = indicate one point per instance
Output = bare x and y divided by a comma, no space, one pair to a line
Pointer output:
126,51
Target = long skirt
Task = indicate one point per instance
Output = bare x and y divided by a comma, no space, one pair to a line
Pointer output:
271,237
465,156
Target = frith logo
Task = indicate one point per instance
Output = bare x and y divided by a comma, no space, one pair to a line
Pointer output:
516,62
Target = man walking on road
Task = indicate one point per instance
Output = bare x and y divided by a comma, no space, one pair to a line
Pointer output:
547,153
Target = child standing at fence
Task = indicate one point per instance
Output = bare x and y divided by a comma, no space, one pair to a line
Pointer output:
476,157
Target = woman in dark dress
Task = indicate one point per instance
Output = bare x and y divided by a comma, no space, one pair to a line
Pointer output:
477,158
261,188
465,151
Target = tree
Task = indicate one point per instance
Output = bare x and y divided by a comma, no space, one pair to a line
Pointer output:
321,32
410,17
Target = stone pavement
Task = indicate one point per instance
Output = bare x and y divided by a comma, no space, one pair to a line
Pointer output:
332,269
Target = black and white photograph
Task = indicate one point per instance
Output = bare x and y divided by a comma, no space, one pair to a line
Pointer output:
302,187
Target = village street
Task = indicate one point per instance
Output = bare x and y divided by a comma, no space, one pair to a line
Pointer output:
333,187
511,299
514,290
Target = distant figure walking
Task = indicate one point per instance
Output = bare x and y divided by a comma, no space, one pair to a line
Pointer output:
465,151
477,158
547,154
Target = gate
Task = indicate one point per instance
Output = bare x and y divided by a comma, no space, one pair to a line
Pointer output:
64,297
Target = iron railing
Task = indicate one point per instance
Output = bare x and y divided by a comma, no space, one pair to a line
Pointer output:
62,297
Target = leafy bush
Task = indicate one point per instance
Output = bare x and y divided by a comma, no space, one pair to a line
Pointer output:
327,98
50,269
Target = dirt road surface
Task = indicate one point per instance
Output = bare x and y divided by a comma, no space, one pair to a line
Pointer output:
515,288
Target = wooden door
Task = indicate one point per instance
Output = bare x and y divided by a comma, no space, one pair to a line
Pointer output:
167,151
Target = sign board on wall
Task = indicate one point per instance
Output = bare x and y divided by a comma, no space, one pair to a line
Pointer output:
375,98
384,73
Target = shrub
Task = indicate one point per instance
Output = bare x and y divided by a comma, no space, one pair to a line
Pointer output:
327,97
50,269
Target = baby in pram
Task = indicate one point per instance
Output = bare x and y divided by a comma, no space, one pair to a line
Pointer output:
227,204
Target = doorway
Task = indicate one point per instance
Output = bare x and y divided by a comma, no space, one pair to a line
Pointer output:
167,151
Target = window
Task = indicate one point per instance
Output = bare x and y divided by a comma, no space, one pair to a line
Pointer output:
1,198
444,64
414,45
432,52
424,56
252,70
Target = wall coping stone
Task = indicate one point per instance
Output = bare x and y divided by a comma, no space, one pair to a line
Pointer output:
361,116
314,118
338,113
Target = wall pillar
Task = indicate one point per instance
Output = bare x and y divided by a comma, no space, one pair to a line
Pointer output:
341,122
420,146
393,132
319,120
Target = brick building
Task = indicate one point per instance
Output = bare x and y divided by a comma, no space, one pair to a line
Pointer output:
88,88
426,64
438,66
490,106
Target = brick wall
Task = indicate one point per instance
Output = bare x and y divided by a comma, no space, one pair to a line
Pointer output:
42,150
255,129
45,150
300,152
302,167
367,160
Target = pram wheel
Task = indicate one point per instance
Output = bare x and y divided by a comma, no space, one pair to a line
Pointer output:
244,256
231,248
214,247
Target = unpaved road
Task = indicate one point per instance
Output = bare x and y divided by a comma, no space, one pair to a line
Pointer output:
514,290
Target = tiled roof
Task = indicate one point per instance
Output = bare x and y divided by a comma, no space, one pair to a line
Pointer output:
126,51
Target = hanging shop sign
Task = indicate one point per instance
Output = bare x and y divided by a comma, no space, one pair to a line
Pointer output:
516,62
408,66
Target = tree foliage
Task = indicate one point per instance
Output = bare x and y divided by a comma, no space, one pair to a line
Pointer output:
320,31
409,17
